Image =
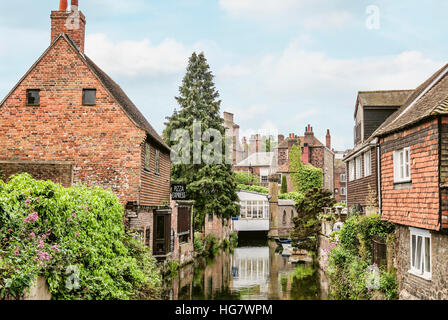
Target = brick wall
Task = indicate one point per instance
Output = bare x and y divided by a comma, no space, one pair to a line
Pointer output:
220,228
101,142
57,172
338,184
358,190
414,287
284,229
416,204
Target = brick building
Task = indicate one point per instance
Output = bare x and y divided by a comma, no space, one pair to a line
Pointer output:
260,164
68,121
414,194
233,132
340,181
371,110
313,152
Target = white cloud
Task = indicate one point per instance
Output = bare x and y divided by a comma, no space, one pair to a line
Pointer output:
260,7
136,58
334,19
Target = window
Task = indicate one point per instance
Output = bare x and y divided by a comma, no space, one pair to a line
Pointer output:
351,170
210,217
89,97
284,217
292,216
343,177
33,97
421,253
343,191
358,168
157,162
147,156
367,163
402,167
264,180
183,224
254,210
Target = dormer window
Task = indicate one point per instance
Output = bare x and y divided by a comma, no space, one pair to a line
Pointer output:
33,97
89,97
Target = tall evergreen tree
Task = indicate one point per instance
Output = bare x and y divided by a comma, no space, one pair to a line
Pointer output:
212,186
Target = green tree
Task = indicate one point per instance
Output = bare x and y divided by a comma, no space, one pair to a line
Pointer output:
306,225
245,177
212,186
284,187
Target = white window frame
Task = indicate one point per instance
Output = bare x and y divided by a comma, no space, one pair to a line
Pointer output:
358,168
351,170
402,165
368,163
343,191
264,182
418,266
343,178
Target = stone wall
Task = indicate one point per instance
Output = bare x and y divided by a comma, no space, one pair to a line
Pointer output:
414,287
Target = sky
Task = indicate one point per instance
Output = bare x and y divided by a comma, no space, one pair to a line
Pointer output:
279,65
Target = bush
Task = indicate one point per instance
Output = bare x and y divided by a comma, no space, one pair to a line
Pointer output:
48,230
197,243
233,239
258,189
284,188
295,196
211,244
246,178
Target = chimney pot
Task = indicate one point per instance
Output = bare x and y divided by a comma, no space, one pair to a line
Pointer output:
75,3
63,5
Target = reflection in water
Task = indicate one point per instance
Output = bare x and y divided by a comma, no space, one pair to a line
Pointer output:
250,272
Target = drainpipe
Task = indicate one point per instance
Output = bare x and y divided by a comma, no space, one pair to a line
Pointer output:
378,165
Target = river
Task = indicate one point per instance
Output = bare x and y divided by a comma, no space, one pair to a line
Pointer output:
255,270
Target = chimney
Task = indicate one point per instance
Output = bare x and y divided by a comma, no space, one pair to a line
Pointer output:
72,22
245,148
328,140
306,154
280,138
309,135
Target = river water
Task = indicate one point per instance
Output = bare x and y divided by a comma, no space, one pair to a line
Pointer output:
255,270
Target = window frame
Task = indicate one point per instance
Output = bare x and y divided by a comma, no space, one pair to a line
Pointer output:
351,170
401,165
368,163
147,160
420,271
157,163
84,103
358,168
343,177
33,104
343,191
264,177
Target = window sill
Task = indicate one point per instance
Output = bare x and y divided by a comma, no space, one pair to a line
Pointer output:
424,277
402,185
32,105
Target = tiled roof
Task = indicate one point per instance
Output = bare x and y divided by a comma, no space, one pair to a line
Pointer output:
430,98
384,98
259,159
115,90
315,143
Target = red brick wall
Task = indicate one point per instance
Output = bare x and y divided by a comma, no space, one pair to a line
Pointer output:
338,184
59,24
418,204
101,142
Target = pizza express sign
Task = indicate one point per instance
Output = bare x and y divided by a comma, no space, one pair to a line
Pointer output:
179,192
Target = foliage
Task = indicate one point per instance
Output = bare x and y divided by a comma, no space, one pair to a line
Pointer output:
304,177
48,230
341,204
295,196
171,268
303,271
212,186
284,187
350,263
211,244
197,243
246,178
307,225
233,239
258,189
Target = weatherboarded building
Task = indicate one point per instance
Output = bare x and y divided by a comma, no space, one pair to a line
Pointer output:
371,110
68,121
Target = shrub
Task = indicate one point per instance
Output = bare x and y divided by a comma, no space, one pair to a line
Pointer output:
246,178
295,196
233,239
197,243
258,189
47,229
284,188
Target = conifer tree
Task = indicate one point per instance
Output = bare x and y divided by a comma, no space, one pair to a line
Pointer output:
211,186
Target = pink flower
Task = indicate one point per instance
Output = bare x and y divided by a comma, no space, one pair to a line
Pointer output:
31,218
41,244
44,256
32,234
16,253
77,234
9,230
44,236
74,215
28,201
69,220
55,248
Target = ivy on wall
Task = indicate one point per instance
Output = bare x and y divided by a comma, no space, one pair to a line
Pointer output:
305,177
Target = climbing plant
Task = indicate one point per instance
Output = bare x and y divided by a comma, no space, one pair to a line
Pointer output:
304,177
